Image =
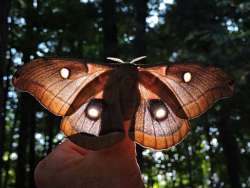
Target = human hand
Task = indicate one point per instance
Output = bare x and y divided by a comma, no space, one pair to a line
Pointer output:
71,166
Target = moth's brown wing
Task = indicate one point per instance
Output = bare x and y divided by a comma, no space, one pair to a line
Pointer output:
153,133
86,132
79,123
42,79
206,86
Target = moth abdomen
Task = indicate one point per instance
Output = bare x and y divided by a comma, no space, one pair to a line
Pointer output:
121,91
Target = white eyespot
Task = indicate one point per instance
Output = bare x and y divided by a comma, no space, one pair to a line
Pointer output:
187,77
158,109
93,112
160,113
64,72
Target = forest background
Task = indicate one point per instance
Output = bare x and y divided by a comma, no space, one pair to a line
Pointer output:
217,32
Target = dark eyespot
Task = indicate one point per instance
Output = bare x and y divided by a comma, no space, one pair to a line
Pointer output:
158,109
94,109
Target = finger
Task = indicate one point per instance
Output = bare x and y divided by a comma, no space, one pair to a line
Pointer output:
72,166
61,158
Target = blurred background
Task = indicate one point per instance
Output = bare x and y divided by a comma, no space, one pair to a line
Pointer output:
217,151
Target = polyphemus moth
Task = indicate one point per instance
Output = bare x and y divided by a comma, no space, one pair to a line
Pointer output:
96,99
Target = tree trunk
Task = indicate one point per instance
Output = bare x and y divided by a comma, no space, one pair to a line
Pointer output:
26,142
140,38
27,112
26,152
4,11
109,28
52,126
140,48
49,126
230,148
32,155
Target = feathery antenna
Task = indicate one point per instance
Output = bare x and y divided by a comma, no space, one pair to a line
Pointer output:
137,59
115,59
121,61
